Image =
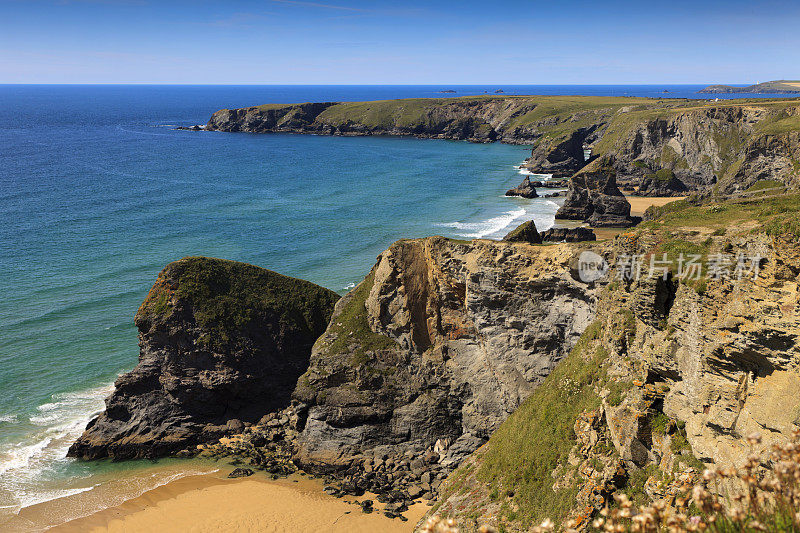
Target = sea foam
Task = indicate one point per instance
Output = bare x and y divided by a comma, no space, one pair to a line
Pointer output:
478,230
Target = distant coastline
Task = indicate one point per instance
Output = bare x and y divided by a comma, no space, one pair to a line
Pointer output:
767,87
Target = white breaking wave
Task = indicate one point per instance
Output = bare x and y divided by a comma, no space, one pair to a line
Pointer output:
61,422
541,177
8,418
478,230
349,286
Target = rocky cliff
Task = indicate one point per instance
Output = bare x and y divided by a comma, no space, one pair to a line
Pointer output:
221,344
547,120
441,342
661,146
672,375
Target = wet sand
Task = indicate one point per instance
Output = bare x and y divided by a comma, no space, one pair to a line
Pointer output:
210,503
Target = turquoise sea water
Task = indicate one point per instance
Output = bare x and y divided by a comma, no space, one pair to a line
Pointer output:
98,192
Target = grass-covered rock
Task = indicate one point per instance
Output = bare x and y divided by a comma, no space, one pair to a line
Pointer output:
222,343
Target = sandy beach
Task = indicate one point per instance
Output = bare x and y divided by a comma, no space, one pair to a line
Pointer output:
639,204
210,503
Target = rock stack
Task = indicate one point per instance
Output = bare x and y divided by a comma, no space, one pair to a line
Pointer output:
593,197
221,344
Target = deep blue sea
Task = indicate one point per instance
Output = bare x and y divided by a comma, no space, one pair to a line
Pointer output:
98,192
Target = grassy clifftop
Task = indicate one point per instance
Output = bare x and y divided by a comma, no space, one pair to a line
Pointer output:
225,296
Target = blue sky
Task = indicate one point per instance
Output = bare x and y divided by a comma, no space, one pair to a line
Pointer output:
399,42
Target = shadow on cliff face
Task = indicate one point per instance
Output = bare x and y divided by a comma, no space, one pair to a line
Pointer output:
221,343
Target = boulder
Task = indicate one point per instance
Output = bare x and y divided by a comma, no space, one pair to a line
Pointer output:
525,189
568,235
240,472
593,197
662,183
525,232
221,343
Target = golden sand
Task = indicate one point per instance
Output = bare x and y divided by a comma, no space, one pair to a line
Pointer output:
639,204
211,504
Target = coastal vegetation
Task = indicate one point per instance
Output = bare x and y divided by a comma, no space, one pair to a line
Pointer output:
227,296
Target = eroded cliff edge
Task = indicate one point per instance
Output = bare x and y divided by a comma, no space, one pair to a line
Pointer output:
584,390
660,146
221,344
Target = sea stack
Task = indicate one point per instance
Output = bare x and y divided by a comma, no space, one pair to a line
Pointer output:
221,344
524,189
593,197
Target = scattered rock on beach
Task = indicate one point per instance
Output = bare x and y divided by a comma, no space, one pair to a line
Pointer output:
241,472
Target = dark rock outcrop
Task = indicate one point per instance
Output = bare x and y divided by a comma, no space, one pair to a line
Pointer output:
568,235
525,189
525,232
594,197
221,344
662,183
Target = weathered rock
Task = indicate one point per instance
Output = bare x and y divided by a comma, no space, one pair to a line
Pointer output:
240,472
568,235
220,343
525,232
524,189
441,341
663,183
594,197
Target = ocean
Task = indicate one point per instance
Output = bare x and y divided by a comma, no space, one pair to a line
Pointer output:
98,192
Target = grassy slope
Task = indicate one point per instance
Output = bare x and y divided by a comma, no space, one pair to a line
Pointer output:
225,296
772,214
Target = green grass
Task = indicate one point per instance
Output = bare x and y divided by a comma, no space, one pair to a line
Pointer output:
774,215
764,184
538,436
352,332
225,297
665,174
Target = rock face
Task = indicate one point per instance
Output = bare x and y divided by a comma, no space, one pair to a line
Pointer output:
525,232
440,343
593,197
727,148
221,344
568,235
674,374
524,189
